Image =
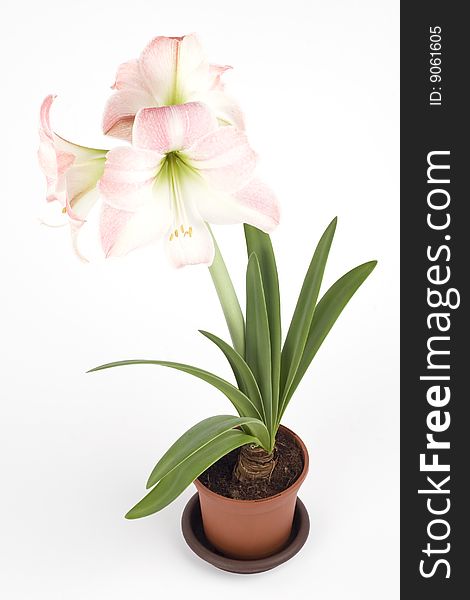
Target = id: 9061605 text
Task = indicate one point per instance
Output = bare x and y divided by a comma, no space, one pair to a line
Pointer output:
435,69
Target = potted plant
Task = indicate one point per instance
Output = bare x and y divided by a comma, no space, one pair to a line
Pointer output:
188,163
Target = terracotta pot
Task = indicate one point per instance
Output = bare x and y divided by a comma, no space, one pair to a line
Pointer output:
250,529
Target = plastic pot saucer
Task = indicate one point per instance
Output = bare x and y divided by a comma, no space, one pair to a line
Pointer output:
193,533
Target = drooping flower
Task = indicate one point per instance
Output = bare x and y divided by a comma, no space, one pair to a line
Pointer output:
170,70
182,171
71,171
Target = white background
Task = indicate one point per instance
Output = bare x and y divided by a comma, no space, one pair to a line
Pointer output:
319,84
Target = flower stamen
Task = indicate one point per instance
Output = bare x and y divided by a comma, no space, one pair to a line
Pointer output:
174,163
185,232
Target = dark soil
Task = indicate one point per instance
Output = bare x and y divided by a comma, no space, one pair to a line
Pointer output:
289,465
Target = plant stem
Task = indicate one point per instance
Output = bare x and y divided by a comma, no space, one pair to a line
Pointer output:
228,300
254,464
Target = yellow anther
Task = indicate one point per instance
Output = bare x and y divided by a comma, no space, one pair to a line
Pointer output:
64,210
181,231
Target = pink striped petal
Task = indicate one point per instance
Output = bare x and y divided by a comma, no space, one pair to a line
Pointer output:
129,76
224,158
128,177
132,94
255,204
216,72
54,166
112,222
122,128
123,231
158,66
54,162
120,111
169,128
260,205
174,68
44,116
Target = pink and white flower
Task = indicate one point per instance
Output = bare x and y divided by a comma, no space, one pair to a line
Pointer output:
71,171
182,171
170,70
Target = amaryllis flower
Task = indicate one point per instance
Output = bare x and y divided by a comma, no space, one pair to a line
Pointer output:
71,171
182,171
170,70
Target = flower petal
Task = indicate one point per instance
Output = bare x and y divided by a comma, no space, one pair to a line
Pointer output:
194,246
255,204
128,76
226,109
121,129
44,116
158,66
112,222
132,95
79,205
260,204
174,68
224,158
76,228
123,231
128,177
169,128
120,111
216,72
53,161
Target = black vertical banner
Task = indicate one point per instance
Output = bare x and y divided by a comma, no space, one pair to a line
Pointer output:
435,267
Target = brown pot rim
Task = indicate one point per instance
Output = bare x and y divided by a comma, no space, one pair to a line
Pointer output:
295,486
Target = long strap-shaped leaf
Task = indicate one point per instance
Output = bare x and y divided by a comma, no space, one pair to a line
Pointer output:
328,310
260,243
228,300
245,378
298,331
258,342
244,406
192,441
171,486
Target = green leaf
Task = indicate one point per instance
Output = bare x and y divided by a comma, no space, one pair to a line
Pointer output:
328,310
228,300
258,342
303,314
171,486
193,440
245,378
260,243
244,406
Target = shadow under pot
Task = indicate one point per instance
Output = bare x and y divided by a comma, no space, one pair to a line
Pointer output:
251,529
